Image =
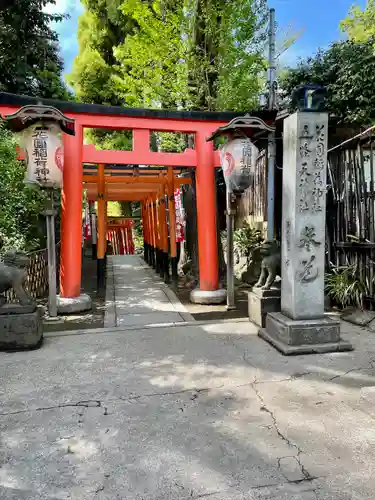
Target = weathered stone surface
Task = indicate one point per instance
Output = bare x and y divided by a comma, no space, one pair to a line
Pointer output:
303,215
67,305
17,309
208,297
294,332
302,327
21,331
358,317
274,291
303,336
290,350
261,302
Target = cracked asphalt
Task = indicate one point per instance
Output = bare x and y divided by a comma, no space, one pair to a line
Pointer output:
186,412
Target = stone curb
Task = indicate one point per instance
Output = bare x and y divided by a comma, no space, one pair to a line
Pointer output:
110,299
97,331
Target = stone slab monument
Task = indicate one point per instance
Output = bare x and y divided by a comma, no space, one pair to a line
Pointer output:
301,327
20,323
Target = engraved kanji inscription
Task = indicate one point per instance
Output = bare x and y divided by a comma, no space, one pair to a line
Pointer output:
305,133
287,235
304,150
318,181
303,205
317,194
320,137
307,272
304,175
307,238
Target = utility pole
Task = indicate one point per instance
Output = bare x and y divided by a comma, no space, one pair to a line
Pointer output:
272,94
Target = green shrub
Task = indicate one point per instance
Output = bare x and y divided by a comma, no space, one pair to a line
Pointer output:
246,239
344,286
21,205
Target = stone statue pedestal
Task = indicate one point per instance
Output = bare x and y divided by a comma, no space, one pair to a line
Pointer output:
261,302
312,336
301,327
20,327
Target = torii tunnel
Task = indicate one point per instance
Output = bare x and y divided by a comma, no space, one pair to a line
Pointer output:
149,190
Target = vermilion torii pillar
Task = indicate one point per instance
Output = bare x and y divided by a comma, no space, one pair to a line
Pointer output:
208,291
71,299
71,216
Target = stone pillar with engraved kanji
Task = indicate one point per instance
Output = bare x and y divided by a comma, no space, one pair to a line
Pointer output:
302,327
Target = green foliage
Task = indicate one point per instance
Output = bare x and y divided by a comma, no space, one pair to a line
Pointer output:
138,236
119,209
171,142
228,61
347,70
246,239
107,139
29,59
190,54
21,225
360,24
344,287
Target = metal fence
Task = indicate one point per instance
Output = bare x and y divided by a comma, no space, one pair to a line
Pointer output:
351,209
37,275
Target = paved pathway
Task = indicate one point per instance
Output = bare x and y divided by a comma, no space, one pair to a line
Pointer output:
184,412
137,297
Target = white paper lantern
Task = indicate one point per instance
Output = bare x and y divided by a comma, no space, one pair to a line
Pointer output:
44,155
238,159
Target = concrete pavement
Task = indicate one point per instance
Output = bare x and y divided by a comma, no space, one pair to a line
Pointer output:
183,412
135,296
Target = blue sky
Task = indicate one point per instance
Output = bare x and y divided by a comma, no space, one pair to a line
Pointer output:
318,18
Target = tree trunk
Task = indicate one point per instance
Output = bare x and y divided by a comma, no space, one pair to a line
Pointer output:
191,232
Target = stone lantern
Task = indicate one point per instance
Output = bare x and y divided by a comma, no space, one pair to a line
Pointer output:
310,98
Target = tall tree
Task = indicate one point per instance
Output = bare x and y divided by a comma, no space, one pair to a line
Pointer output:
200,54
226,52
129,53
29,53
346,69
360,24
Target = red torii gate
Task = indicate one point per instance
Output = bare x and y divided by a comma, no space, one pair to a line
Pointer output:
142,122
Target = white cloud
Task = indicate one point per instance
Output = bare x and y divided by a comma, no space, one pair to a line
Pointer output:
60,7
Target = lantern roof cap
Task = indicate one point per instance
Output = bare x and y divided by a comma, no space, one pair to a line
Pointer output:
246,124
31,114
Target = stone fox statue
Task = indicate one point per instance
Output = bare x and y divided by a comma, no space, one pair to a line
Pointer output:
270,266
13,274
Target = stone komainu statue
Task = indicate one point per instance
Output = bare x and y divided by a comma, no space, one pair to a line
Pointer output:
13,274
271,264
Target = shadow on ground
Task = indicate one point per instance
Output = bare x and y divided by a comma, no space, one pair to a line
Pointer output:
87,319
185,413
202,313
